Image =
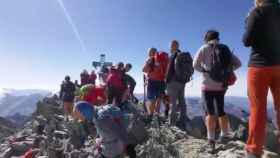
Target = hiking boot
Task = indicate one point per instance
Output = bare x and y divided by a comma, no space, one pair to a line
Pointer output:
211,146
224,139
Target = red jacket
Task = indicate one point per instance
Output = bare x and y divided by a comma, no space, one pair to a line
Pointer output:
96,96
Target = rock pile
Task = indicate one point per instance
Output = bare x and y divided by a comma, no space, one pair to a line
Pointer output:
48,135
166,142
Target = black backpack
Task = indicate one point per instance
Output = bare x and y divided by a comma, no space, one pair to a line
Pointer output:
221,64
183,67
68,89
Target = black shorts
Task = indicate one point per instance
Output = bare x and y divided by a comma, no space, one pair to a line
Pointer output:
214,102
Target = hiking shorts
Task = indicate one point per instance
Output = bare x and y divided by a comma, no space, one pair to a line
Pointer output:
68,98
214,102
155,89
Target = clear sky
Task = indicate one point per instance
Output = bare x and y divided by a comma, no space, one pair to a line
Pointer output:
39,46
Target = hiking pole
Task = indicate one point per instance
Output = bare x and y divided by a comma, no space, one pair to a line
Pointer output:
145,99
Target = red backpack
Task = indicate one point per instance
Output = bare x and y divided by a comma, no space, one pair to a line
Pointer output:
115,79
162,59
98,95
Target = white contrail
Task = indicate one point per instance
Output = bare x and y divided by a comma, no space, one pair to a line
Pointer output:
71,22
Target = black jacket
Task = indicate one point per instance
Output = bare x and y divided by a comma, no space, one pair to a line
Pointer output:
171,67
263,34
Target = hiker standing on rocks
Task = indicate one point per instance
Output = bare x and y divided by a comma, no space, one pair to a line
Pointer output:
85,78
216,63
179,73
155,81
130,82
115,86
263,36
92,77
67,95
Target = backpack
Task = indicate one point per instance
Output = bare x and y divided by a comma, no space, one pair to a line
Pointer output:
110,125
115,79
95,95
183,67
221,68
69,89
162,60
109,111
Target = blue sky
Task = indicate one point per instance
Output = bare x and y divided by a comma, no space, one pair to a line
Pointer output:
38,46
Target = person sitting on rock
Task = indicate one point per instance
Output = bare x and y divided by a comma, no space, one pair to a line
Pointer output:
110,127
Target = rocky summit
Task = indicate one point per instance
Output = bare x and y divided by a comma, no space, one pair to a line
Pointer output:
48,135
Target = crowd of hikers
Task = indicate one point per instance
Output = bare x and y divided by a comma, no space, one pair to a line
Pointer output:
165,77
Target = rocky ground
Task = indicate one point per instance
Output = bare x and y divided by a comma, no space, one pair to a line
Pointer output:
47,135
6,128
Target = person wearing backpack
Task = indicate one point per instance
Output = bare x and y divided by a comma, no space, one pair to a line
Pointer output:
263,36
110,125
67,95
216,63
115,85
119,129
179,72
155,70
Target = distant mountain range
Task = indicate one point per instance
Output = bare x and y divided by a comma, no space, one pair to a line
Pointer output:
17,105
20,102
237,106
